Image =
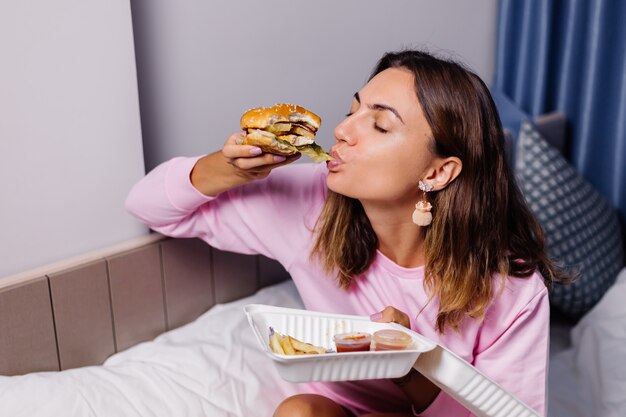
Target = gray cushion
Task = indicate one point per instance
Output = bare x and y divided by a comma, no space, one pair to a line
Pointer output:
581,228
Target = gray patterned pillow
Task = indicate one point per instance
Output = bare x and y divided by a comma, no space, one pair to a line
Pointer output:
582,229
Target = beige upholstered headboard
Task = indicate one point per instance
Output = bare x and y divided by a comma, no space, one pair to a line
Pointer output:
80,312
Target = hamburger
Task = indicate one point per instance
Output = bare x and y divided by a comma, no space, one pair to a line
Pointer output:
283,129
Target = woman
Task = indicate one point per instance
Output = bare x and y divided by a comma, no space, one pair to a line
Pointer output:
417,220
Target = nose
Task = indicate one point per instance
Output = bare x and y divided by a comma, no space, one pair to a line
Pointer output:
344,131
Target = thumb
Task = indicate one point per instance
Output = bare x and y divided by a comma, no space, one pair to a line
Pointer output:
376,316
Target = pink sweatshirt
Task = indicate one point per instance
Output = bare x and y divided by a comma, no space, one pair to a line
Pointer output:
275,217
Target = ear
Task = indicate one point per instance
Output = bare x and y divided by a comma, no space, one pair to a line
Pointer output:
443,172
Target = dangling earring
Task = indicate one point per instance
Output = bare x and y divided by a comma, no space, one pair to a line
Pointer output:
422,215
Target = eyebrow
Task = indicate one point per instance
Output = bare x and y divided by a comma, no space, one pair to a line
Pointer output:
380,107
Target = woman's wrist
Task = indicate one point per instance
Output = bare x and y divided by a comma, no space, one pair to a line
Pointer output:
418,389
403,380
213,175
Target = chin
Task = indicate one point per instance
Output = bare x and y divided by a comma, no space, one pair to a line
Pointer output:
333,183
339,185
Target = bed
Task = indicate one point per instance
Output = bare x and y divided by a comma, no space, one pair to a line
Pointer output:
156,326
60,356
212,366
209,367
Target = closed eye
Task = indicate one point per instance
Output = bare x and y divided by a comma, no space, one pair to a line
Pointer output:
380,129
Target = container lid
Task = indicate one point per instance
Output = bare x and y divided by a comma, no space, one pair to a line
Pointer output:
352,338
392,337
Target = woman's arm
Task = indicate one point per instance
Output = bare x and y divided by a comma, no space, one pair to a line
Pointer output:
233,166
168,198
513,348
418,389
175,199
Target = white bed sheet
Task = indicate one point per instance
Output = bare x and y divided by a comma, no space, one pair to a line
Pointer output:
589,378
210,367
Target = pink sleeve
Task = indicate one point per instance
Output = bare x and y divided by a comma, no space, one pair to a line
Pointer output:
263,217
517,357
512,350
167,202
165,199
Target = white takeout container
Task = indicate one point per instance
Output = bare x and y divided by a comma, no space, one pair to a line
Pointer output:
319,329
462,381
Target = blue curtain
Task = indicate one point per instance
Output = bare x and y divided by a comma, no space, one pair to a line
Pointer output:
570,56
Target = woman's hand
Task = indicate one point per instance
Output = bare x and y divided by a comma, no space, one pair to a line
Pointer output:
234,165
249,161
392,315
418,389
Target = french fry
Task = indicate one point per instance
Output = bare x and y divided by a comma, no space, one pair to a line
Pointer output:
305,347
287,345
275,345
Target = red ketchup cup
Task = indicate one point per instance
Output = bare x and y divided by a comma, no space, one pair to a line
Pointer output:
390,339
352,342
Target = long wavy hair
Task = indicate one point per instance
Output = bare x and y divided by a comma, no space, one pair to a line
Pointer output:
481,223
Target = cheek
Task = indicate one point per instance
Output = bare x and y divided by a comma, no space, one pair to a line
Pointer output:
390,181
395,165
381,170
388,178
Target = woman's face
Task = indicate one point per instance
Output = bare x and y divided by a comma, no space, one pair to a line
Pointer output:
382,146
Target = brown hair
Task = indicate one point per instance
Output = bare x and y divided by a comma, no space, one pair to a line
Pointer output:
481,223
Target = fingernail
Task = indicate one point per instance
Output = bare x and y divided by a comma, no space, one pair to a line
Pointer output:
279,158
376,316
256,151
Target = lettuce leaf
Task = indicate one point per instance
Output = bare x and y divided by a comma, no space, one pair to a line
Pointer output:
315,152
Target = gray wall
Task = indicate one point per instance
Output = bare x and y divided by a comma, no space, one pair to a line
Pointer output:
70,134
202,63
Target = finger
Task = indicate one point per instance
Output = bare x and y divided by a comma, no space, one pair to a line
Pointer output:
241,151
376,316
233,147
235,138
264,170
266,160
290,159
391,315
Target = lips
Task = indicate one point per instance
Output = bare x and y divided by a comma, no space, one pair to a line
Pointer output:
335,163
335,154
